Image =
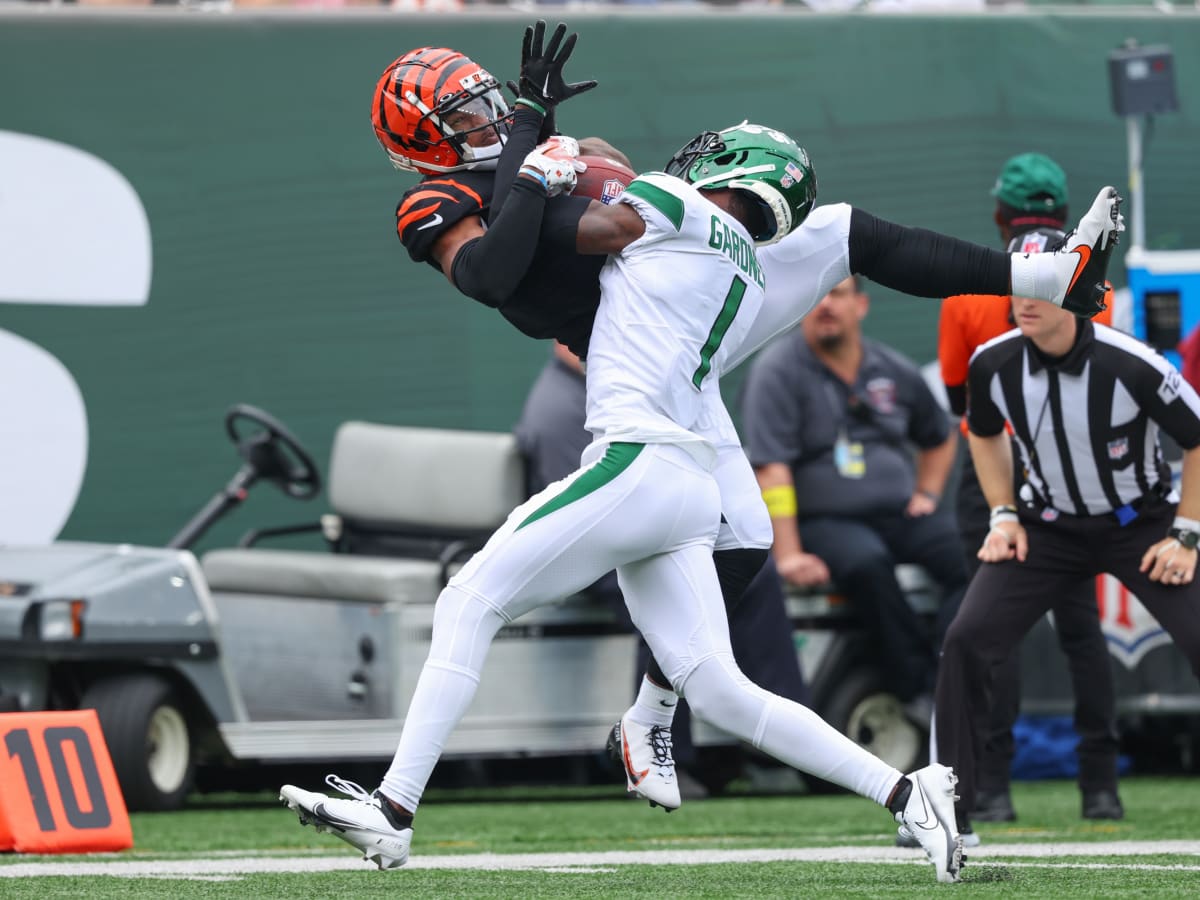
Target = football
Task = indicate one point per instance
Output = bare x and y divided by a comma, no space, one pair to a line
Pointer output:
603,180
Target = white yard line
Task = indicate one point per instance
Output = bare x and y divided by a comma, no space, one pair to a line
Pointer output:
211,868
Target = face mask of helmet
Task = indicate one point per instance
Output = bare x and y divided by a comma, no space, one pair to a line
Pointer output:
477,128
436,111
764,165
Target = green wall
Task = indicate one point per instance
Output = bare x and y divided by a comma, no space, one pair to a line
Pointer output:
278,280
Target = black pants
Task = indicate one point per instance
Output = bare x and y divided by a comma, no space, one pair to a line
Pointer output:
1006,599
1077,627
862,555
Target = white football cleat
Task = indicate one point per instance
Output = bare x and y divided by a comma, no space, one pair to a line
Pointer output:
359,821
645,755
1073,276
928,816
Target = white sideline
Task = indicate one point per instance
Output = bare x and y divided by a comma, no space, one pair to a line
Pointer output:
207,867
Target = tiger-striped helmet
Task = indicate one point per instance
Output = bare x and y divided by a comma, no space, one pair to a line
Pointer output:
435,111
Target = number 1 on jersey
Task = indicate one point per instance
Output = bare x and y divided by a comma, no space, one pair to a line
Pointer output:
733,300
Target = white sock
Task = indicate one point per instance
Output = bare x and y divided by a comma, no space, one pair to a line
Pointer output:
654,705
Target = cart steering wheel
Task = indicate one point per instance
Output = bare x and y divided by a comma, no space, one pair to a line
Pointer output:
273,453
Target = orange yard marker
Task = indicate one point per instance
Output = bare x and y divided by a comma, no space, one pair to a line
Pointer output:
58,790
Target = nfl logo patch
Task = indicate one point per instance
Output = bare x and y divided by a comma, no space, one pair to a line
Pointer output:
1049,514
1119,448
791,174
1033,242
611,191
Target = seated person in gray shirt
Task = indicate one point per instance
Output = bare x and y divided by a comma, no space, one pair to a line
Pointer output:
551,435
830,421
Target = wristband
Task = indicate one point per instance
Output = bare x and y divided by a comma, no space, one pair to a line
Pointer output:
780,500
1003,513
536,174
536,107
1186,531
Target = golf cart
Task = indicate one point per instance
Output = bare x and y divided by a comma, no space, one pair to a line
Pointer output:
273,656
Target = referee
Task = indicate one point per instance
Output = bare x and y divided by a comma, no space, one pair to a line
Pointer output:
1086,404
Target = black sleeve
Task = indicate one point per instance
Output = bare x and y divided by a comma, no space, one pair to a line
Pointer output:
431,208
957,395
489,268
923,263
983,417
523,136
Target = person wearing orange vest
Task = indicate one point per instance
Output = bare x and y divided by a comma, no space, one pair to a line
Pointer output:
1031,211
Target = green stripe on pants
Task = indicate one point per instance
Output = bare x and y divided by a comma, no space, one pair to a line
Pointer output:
616,460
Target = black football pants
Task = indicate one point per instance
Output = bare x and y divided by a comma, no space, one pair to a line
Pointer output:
1077,627
1006,599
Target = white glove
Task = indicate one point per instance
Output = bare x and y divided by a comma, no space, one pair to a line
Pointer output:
1073,277
555,165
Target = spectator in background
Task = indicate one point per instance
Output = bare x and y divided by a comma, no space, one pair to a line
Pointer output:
831,419
552,437
1031,211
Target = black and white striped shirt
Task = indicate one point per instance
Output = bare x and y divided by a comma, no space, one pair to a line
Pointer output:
1086,423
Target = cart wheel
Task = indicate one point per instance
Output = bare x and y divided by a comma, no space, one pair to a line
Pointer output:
148,739
866,712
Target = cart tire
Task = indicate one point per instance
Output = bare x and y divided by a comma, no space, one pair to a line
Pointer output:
149,739
864,710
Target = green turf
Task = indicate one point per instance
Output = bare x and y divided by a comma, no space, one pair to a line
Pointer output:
584,820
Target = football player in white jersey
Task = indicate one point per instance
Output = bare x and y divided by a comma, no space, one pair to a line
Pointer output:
679,293
437,113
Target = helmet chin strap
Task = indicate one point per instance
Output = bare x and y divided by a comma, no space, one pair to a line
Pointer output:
486,158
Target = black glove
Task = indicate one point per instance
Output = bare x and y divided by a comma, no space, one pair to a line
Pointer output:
542,81
549,126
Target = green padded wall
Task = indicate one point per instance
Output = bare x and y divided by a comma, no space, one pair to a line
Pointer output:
277,278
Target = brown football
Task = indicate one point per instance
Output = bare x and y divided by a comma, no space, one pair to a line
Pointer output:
604,179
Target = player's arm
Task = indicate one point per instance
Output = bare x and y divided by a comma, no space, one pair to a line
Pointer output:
923,263
608,228
541,88
927,264
488,264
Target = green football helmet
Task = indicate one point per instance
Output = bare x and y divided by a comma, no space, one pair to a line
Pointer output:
765,163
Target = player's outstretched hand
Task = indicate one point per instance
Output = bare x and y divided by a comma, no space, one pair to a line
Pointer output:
542,79
1074,276
555,164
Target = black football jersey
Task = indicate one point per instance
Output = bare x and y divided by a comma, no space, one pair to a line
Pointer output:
559,294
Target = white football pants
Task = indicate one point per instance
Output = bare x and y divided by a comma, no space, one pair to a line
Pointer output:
652,513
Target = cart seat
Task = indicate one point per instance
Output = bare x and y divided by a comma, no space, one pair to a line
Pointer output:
297,573
420,492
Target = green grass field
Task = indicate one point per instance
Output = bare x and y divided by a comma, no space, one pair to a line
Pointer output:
590,842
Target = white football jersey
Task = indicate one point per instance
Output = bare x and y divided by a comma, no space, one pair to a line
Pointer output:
801,269
674,304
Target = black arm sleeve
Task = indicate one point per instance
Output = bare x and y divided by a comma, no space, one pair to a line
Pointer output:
956,394
523,136
489,268
923,263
